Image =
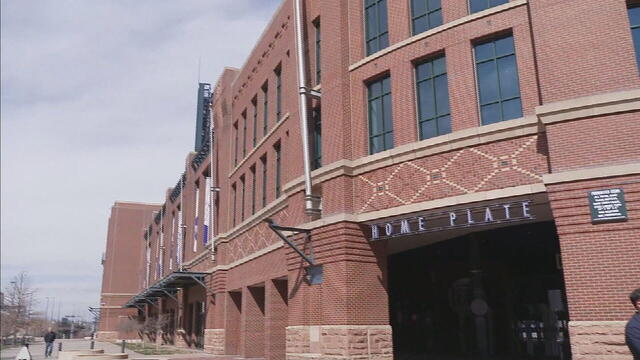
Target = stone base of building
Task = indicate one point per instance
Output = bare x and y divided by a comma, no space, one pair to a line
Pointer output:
107,335
348,342
601,340
180,341
214,341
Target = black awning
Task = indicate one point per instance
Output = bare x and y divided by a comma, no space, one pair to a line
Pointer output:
167,286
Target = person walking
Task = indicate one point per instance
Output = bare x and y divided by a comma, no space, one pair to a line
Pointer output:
632,330
49,338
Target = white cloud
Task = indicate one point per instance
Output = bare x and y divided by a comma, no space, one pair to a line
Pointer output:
98,104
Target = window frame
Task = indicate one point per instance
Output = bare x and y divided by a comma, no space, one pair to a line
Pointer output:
242,196
489,6
265,108
379,79
235,143
278,73
277,149
376,4
265,174
244,133
252,169
485,40
428,12
254,103
420,62
318,49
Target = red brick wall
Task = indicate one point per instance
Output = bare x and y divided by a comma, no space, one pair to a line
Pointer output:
596,141
599,260
590,51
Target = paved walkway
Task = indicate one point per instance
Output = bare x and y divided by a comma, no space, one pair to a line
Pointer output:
37,351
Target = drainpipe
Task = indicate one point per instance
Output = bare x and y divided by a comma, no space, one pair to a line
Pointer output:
310,200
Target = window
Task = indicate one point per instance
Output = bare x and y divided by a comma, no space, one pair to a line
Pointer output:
265,108
479,5
263,161
253,188
498,84
425,14
278,72
276,149
380,122
634,20
242,191
254,103
235,144
244,133
234,205
316,25
376,32
316,138
433,98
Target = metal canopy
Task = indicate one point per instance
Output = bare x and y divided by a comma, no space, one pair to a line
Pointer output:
167,286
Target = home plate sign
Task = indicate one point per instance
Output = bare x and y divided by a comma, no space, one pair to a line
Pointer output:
607,205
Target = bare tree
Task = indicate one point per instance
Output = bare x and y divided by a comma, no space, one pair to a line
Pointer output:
17,309
155,325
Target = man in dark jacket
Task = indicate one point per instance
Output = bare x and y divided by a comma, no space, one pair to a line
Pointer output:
632,331
49,338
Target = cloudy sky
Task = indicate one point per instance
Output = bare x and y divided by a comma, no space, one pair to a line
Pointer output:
97,105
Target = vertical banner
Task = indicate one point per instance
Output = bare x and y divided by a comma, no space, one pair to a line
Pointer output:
207,211
161,262
148,259
196,218
171,240
180,246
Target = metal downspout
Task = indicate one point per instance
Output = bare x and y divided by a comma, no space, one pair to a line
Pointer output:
310,208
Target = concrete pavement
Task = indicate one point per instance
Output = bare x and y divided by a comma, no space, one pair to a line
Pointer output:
37,351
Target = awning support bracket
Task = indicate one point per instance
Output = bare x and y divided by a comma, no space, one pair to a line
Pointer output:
279,229
195,278
170,295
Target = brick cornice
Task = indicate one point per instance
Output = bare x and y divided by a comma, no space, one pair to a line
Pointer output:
592,173
588,106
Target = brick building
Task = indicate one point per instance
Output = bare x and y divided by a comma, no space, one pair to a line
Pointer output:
463,182
121,259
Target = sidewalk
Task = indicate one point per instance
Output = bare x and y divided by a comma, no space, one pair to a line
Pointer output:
37,351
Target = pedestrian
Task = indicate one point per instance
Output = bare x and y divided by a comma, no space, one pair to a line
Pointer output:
49,338
632,331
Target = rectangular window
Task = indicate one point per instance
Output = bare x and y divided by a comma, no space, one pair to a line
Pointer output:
254,103
498,84
263,161
376,29
234,205
634,19
244,133
316,25
425,15
316,138
242,191
265,108
433,98
235,144
253,189
479,5
278,154
380,121
278,72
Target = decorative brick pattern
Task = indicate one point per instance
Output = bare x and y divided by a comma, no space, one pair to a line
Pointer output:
486,167
598,340
256,238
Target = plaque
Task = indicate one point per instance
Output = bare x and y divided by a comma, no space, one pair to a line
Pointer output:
607,205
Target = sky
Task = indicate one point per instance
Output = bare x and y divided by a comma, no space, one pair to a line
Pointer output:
98,103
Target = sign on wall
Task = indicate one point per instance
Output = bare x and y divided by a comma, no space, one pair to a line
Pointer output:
453,219
607,205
